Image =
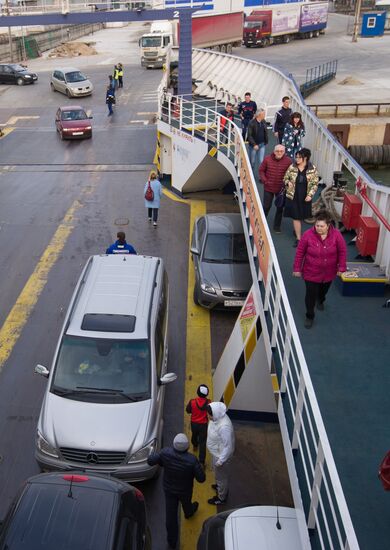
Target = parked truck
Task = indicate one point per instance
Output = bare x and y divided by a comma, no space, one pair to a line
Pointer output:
219,31
284,22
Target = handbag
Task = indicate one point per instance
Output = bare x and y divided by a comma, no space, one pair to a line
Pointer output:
280,198
149,195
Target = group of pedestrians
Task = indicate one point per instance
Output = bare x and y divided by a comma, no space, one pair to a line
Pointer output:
115,82
211,427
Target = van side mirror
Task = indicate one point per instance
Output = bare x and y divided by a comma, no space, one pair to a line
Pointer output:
43,371
168,378
194,251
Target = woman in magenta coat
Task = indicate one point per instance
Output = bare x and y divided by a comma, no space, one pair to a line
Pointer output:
321,256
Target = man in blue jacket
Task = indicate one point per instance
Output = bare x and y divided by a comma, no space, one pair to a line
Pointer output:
247,111
180,470
121,246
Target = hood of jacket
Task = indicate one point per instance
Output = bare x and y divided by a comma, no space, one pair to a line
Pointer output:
219,410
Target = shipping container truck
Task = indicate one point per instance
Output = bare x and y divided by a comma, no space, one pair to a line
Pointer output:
284,22
216,31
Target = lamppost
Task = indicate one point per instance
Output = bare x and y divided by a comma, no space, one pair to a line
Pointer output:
11,53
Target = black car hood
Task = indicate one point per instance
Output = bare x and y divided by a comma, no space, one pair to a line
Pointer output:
227,276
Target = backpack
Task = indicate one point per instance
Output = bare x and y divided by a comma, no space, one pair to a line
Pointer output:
149,195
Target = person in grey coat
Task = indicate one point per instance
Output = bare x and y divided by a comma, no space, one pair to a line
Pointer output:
154,205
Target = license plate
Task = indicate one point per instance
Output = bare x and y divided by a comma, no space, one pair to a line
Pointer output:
77,133
234,303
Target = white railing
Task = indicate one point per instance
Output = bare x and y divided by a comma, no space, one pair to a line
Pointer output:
216,77
309,457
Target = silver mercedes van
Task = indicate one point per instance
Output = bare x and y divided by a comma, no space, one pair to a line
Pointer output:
103,406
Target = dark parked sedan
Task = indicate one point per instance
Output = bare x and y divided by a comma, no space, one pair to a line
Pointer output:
16,74
222,273
73,123
76,511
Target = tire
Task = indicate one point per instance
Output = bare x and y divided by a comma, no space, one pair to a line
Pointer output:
311,34
68,93
20,81
229,48
386,155
196,299
62,135
316,34
286,39
223,48
266,43
52,87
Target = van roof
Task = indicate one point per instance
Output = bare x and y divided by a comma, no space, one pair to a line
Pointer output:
113,299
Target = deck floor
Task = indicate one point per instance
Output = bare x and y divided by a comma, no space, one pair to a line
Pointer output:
348,354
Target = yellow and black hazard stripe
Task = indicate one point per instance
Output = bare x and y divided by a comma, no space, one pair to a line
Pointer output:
157,155
243,362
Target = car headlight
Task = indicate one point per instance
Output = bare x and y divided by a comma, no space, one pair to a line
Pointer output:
45,447
88,128
27,76
207,288
143,453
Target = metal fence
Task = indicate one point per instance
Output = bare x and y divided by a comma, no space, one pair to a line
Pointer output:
309,456
318,76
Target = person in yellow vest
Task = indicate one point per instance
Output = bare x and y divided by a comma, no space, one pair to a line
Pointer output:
115,75
120,75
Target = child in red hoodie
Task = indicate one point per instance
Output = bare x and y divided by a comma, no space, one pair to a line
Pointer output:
197,409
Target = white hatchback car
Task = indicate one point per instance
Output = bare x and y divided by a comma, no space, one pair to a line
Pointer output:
71,82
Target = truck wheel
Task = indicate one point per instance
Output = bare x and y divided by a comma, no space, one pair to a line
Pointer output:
216,48
311,34
316,34
229,48
266,42
223,48
286,39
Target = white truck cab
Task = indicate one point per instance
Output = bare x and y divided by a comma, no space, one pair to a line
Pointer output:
155,44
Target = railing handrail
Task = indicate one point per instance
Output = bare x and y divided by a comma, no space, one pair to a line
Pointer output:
234,136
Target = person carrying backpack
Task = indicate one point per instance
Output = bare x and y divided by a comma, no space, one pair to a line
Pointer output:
197,408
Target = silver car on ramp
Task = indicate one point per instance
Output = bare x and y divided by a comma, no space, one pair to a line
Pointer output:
103,406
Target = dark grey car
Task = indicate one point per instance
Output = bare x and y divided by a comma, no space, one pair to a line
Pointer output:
219,253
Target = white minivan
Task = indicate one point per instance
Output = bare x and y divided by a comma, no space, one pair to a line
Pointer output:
103,406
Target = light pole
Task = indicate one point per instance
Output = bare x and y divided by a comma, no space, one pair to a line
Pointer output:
11,53
358,6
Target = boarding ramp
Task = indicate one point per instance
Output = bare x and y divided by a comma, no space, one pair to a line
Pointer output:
225,77
263,367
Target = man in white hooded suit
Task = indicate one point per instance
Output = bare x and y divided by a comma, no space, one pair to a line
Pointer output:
220,444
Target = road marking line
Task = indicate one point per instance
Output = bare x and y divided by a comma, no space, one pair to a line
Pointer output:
6,131
139,122
198,371
14,119
173,197
19,314
148,113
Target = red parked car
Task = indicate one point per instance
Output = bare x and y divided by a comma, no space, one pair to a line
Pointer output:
72,122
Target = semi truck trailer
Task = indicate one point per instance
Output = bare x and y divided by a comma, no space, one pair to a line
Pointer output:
281,23
219,31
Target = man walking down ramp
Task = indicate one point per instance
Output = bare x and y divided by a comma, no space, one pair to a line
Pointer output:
180,470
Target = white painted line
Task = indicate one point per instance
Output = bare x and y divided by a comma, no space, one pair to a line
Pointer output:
147,113
139,122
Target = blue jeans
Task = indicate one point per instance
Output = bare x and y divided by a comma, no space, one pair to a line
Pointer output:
256,155
110,110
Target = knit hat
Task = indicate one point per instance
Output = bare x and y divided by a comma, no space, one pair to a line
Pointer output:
181,443
202,390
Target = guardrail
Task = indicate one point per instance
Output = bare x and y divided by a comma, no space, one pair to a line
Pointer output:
318,76
351,109
306,444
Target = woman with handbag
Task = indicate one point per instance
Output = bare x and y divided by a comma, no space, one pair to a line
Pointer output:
301,180
152,194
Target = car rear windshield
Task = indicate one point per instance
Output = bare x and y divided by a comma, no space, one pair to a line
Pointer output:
75,76
50,516
95,367
74,115
225,248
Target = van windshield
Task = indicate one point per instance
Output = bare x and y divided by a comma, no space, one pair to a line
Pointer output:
95,367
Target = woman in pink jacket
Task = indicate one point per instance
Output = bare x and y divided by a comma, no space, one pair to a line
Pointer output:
321,256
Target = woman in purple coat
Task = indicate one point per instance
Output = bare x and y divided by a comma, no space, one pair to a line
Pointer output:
320,257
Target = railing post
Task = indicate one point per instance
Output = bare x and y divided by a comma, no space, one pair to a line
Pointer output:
181,113
316,488
286,359
298,413
206,131
193,119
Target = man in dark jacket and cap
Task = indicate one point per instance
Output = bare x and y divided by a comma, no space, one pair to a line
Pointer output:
197,408
180,470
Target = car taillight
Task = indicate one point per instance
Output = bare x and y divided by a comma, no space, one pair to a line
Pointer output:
75,478
139,496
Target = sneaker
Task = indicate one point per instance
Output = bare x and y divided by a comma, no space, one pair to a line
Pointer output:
308,323
195,506
154,224
216,500
149,220
320,306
